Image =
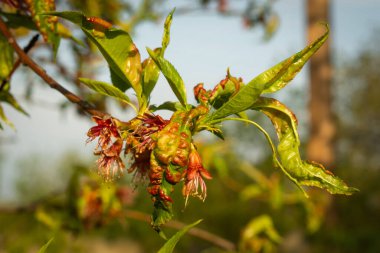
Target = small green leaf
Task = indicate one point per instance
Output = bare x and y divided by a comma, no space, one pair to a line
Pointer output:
5,119
150,75
172,242
166,35
7,97
269,81
172,76
16,20
170,106
304,172
105,89
117,48
6,58
46,245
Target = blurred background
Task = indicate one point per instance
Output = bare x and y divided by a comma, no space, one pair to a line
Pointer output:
48,182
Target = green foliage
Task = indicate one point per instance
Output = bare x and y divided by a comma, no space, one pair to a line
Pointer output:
116,46
163,151
172,242
172,76
106,89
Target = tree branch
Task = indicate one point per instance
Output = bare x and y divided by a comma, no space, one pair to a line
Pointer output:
25,59
140,216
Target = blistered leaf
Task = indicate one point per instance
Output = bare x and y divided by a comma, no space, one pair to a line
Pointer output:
47,25
105,89
269,81
116,46
166,35
172,76
172,242
46,245
304,172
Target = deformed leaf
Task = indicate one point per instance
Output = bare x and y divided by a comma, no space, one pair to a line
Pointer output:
269,81
172,76
172,242
105,89
116,46
304,172
46,25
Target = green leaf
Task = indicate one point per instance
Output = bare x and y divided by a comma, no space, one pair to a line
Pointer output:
6,58
281,74
304,172
170,106
172,76
46,25
7,97
150,75
172,242
269,81
105,89
16,20
166,35
117,48
46,245
5,119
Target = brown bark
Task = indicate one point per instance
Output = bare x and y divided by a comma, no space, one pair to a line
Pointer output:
320,147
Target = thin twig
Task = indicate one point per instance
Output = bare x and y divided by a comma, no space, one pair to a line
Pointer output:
84,105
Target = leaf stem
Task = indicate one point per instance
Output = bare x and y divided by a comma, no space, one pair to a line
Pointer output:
25,59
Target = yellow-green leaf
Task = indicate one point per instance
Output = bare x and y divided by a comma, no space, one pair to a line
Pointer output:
115,45
270,80
172,76
105,89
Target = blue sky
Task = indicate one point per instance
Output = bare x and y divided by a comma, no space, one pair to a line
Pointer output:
202,47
